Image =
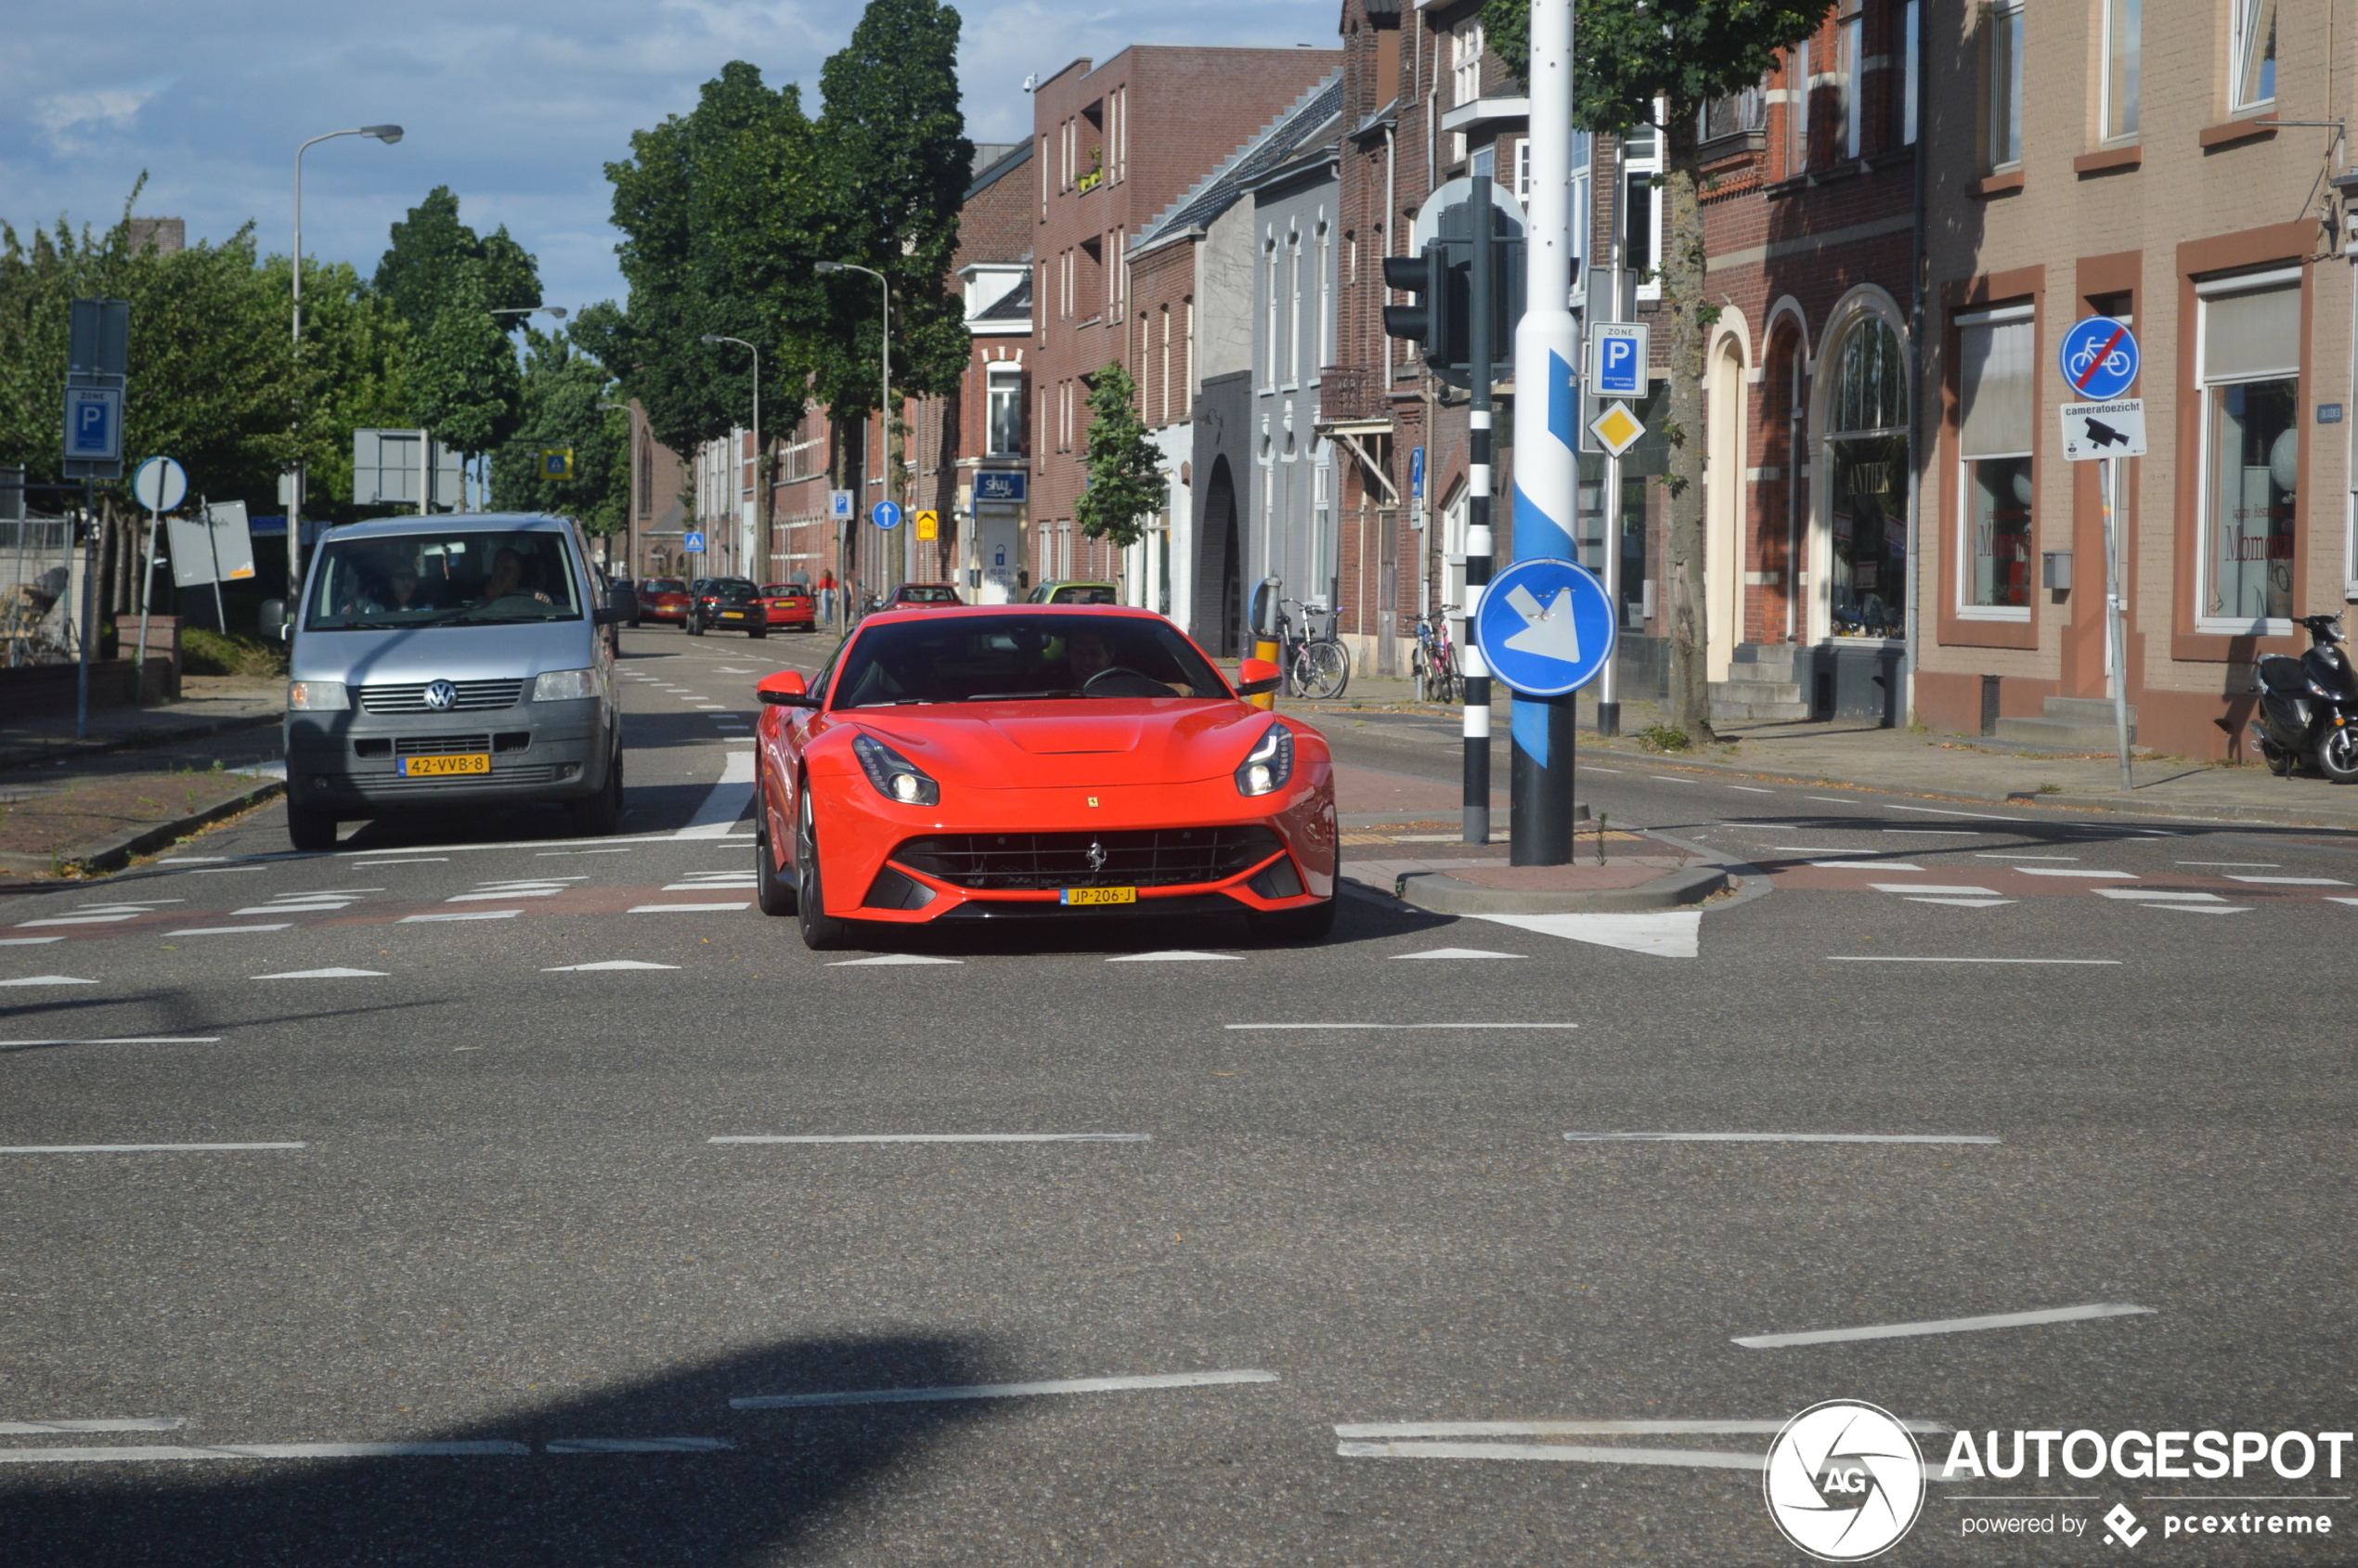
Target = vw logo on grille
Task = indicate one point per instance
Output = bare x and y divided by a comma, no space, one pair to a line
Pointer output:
1097,856
441,696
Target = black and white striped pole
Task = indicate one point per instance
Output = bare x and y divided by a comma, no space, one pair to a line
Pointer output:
1478,539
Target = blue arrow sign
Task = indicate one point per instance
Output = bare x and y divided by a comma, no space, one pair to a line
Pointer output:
2099,360
1544,626
885,514
692,544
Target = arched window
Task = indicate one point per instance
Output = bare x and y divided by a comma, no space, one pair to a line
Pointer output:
1867,497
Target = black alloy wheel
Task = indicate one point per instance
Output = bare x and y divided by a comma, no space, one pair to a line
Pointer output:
771,891
309,828
822,932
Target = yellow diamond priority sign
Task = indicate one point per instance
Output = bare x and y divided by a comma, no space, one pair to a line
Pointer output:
1617,428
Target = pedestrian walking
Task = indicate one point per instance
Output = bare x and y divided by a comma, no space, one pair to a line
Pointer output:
827,597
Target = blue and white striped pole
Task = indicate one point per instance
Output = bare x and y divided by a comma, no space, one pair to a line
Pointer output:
1547,430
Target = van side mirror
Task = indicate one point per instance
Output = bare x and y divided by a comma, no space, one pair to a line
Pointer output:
785,689
1257,676
273,619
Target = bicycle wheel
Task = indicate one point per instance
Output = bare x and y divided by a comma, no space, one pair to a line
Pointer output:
1420,671
1321,670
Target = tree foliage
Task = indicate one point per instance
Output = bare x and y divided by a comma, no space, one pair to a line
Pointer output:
444,282
1126,483
563,389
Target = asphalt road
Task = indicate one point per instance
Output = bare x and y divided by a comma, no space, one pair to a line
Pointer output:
479,1206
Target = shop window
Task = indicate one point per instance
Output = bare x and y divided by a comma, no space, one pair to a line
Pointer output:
2250,385
1867,441
1998,386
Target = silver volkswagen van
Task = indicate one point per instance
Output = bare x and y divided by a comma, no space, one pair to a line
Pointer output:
452,660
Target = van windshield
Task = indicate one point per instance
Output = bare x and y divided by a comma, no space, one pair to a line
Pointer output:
452,577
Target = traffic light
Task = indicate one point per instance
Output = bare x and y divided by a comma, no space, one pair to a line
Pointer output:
1412,276
1441,320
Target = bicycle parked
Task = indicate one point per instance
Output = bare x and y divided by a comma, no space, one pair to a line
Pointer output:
1316,663
1433,661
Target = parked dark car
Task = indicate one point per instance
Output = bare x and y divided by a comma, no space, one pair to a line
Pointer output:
922,596
728,605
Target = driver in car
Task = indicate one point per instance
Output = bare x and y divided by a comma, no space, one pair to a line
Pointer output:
506,579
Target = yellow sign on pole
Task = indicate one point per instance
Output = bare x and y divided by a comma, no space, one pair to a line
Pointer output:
556,462
929,525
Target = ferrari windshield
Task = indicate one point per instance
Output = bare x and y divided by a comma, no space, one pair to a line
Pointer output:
1019,657
449,577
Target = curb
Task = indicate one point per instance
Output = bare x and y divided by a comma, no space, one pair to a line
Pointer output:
28,756
1444,894
116,850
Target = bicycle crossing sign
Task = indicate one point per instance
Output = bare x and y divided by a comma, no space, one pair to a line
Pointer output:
1544,626
2099,358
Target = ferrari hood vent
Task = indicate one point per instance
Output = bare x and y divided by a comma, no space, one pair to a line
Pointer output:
1072,736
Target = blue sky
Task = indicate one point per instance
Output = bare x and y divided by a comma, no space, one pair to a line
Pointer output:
516,106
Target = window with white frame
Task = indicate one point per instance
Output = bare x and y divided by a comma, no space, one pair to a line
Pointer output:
1270,280
2254,52
1523,171
1465,60
1293,307
1797,99
1583,214
1867,490
1996,394
2249,380
1006,397
2005,86
1907,80
1853,39
1323,329
1641,207
2124,24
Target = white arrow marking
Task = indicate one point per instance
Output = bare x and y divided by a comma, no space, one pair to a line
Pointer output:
1549,632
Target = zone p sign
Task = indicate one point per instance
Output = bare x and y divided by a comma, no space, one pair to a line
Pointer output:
1617,359
94,423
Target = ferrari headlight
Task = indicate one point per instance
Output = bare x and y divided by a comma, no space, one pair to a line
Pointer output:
896,778
1269,764
318,696
565,685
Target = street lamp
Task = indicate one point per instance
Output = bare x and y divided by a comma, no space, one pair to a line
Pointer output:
388,135
556,310
759,510
884,407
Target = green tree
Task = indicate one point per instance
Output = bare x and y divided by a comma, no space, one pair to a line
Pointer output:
1627,54
568,403
433,248
1126,484
445,281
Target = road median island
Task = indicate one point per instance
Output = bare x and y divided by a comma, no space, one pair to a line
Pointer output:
82,826
1558,890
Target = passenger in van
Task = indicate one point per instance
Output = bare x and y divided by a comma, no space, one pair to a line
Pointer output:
506,579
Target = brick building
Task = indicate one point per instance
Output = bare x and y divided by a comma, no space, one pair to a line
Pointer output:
1115,146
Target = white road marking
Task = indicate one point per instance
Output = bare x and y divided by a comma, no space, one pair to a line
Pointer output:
503,893
1978,816
1595,770
2156,895
1951,891
937,1138
460,914
1866,865
144,906
117,1040
48,979
74,920
1748,789
1665,778
336,974
2074,871
133,1455
1835,799
191,859
1779,1138
728,800
1814,849
1674,933
143,1149
537,881
1882,958
1586,1429
637,1445
550,854
2329,899
722,882
1176,955
687,908
133,1423
1965,904
430,860
328,907
1700,1458
1457,953
2008,855
1938,1325
997,1390
2242,866
2205,909
608,964
856,963
28,941
2273,881
221,870
1401,1026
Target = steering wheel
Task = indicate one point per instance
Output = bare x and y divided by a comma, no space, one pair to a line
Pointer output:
1162,688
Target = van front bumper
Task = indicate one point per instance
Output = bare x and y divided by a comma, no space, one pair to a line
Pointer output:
348,762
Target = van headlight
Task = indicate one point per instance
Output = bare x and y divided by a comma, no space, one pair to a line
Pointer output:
318,696
1269,764
565,685
896,778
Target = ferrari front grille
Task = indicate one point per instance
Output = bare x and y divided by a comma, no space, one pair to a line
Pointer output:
1160,857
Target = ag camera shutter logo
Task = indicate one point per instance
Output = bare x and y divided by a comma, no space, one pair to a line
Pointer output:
1844,1481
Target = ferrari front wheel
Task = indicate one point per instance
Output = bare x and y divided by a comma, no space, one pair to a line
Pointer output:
1310,924
822,932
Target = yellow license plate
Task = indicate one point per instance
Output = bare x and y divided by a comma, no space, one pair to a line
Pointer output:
440,767
1101,894
733,614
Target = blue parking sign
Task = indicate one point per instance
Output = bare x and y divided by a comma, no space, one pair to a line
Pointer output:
93,424
1620,354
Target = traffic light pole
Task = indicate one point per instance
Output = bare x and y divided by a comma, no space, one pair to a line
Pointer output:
1547,433
1478,541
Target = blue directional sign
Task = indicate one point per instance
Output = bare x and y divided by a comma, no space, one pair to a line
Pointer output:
692,544
885,514
1415,470
1546,626
2099,358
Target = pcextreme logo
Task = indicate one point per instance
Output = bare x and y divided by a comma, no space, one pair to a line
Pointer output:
1844,1481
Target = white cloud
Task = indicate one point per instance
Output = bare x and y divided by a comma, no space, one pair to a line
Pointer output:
68,118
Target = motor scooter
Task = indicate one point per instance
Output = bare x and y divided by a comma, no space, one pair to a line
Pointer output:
2309,706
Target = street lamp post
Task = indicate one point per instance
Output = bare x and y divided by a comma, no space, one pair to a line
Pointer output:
883,407
759,511
388,135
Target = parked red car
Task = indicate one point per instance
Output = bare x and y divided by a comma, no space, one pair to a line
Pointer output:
663,599
1011,761
922,596
792,606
